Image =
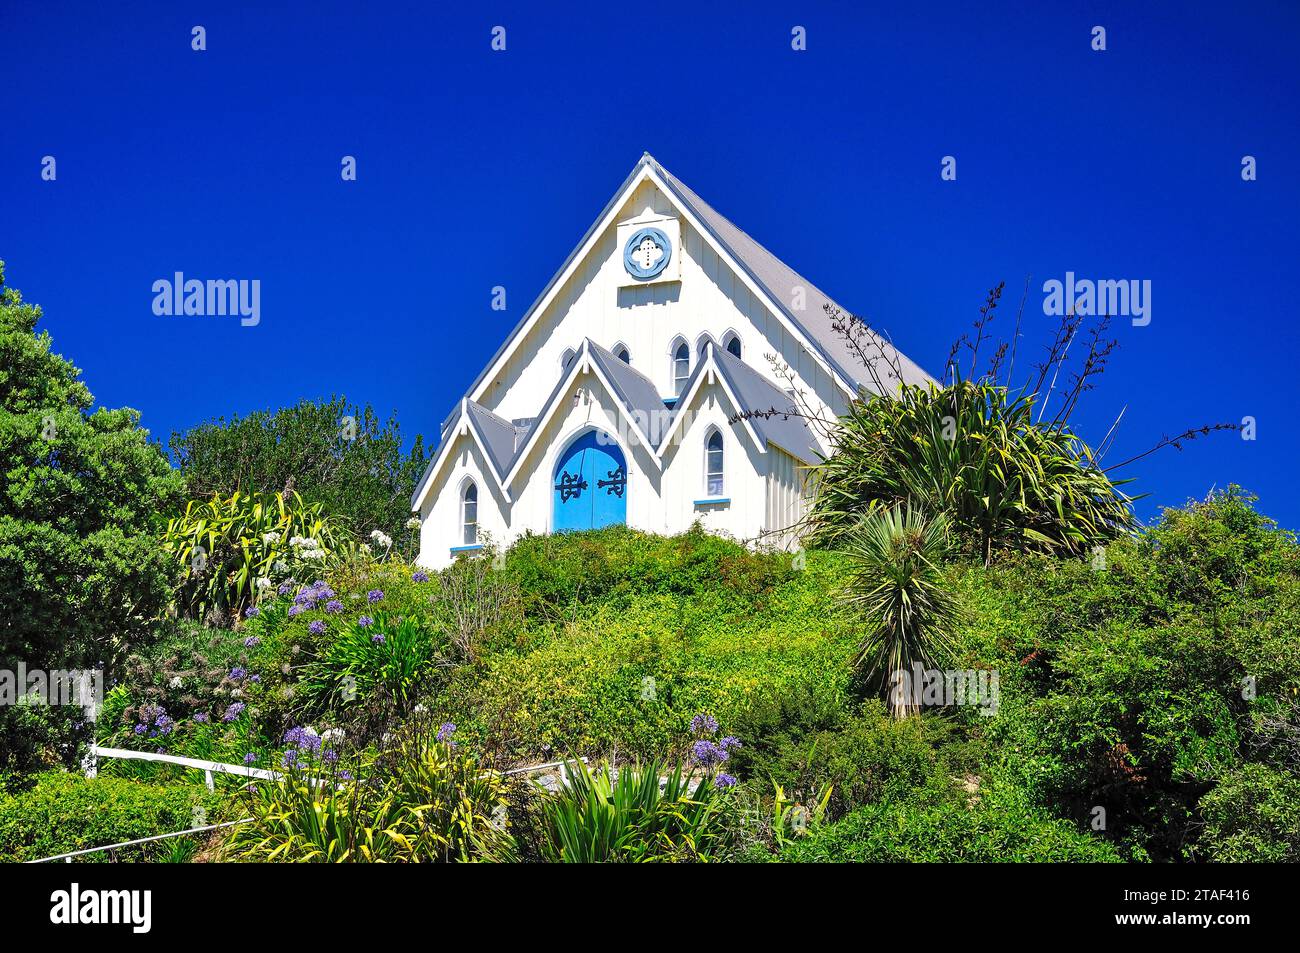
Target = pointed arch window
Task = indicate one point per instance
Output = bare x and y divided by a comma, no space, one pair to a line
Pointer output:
469,513
733,344
567,358
713,463
681,367
622,353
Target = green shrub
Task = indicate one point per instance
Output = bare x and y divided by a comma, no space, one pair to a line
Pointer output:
870,758
998,827
1139,681
1252,815
629,674
973,453
647,813
66,812
388,659
896,588
420,801
227,548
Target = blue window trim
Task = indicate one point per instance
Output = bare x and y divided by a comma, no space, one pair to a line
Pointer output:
466,549
713,501
659,238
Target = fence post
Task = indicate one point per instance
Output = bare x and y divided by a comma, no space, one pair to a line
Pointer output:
207,779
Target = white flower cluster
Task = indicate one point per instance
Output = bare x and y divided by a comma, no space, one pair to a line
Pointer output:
331,735
263,583
308,547
270,539
413,523
381,540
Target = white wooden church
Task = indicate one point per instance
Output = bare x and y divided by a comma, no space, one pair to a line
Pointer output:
615,398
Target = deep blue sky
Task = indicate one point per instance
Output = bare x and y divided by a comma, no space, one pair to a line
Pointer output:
479,169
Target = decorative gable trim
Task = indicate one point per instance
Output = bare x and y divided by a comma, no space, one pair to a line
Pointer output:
585,362
463,423
648,169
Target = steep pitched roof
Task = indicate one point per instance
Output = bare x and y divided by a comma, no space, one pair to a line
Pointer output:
756,393
498,435
779,280
637,392
750,391
774,277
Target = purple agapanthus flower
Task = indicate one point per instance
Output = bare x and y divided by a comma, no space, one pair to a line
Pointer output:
374,595
250,758
365,620
706,753
140,729
330,755
289,759
724,781
201,717
419,576
295,610
730,743
233,712
238,674
303,739
345,775
333,607
285,588
252,642
250,612
378,638
446,730
704,724
255,678
316,627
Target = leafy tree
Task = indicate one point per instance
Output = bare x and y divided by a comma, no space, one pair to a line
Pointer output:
81,574
330,452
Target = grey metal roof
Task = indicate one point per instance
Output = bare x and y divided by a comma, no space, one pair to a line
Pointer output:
498,436
756,393
637,392
765,269
780,280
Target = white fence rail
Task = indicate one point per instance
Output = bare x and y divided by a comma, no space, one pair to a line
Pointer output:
209,768
212,768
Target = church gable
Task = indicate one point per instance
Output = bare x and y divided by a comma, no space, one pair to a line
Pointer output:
647,278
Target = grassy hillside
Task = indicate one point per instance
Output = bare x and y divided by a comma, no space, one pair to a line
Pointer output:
1146,705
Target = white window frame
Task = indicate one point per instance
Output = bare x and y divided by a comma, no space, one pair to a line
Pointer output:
468,527
721,473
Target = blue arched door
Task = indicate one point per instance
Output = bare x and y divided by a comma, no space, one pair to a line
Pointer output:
590,487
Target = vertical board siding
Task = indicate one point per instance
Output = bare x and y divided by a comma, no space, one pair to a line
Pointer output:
786,500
